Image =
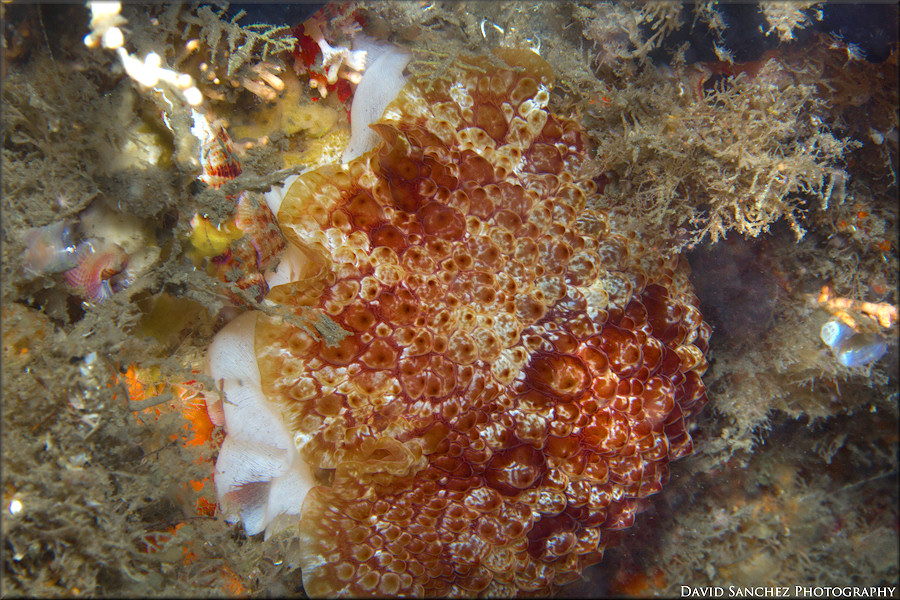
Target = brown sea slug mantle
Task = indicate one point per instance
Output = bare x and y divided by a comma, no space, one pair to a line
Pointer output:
517,375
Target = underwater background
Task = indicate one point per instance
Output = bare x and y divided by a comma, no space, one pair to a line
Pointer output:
757,141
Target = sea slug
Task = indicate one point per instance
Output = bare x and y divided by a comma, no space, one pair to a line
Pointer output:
509,375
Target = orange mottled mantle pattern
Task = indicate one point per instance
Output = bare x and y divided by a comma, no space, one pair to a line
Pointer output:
518,375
